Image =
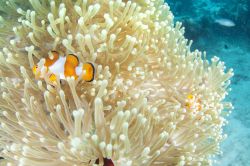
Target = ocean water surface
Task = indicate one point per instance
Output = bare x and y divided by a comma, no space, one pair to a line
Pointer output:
222,28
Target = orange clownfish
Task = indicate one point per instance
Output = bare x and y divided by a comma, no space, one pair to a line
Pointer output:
62,67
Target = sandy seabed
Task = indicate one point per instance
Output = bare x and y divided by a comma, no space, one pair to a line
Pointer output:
235,52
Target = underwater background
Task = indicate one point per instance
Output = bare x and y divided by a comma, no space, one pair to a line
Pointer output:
222,28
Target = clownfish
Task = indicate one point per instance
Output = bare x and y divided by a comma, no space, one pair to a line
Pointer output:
61,67
193,103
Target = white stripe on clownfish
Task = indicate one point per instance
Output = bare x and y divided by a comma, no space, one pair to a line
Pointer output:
58,67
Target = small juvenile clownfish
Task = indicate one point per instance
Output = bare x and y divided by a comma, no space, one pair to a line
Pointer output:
192,103
59,66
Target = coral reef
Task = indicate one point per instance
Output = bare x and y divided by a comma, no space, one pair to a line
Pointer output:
152,102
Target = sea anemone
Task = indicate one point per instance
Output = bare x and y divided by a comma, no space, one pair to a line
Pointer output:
153,101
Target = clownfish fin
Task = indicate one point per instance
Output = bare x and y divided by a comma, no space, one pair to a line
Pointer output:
52,58
88,72
190,96
52,77
34,69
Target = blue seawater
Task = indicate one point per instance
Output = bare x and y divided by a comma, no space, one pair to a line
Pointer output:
232,45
